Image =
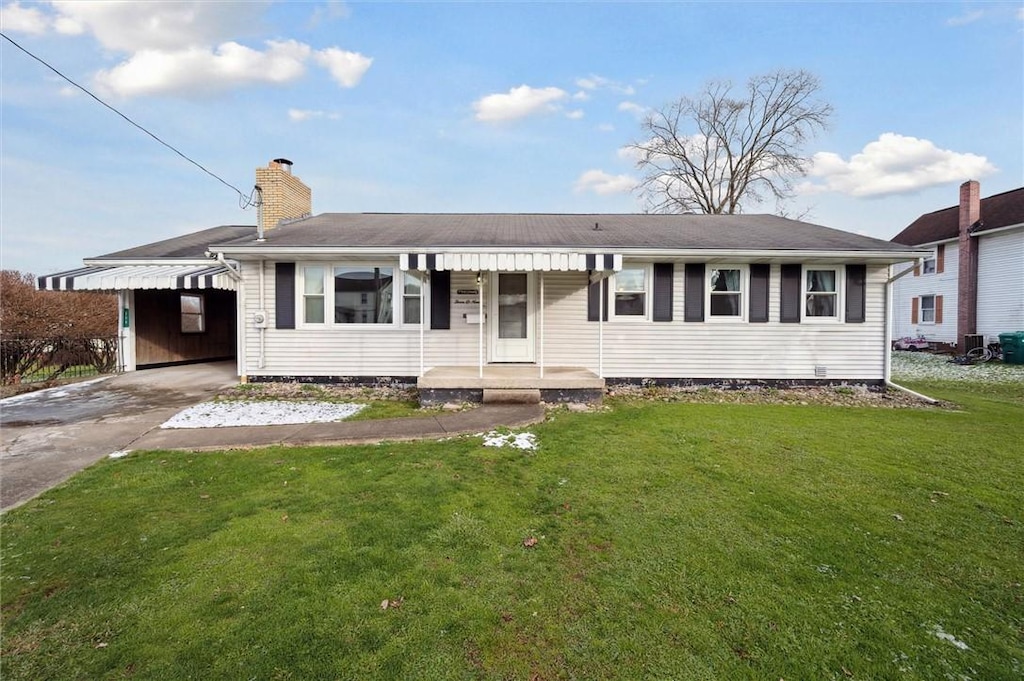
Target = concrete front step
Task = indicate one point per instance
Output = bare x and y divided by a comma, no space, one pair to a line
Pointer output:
511,396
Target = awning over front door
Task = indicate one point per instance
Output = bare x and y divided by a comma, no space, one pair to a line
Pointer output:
119,278
550,261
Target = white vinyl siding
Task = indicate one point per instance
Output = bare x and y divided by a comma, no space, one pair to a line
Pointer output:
1001,283
939,284
723,349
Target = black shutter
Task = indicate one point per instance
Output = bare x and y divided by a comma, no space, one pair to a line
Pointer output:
693,302
662,310
440,299
789,312
284,295
759,276
856,280
594,300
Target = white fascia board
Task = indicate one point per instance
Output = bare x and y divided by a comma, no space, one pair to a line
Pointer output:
1007,228
693,255
149,262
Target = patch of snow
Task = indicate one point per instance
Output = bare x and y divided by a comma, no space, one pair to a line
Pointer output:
517,440
939,633
259,413
120,454
47,393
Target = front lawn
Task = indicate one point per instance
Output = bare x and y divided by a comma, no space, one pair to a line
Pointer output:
652,540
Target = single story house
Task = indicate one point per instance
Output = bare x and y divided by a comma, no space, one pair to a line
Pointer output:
460,304
971,283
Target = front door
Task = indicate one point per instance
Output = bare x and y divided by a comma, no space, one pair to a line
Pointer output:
512,299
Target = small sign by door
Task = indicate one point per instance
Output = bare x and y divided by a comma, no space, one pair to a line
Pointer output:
125,318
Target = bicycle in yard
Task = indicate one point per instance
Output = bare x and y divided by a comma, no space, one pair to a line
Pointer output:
978,355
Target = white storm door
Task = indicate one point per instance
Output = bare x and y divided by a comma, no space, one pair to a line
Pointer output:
512,323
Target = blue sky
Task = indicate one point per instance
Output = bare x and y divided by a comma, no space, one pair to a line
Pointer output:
461,107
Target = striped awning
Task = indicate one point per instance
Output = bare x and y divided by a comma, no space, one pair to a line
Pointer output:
119,278
512,262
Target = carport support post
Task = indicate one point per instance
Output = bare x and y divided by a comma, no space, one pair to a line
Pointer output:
126,329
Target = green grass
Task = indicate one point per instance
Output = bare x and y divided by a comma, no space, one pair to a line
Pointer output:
674,541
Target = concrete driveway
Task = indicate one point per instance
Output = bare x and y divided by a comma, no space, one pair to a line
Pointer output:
48,436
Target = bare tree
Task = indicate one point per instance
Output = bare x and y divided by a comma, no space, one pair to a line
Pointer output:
715,152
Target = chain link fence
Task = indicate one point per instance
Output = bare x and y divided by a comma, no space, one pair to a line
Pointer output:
44,360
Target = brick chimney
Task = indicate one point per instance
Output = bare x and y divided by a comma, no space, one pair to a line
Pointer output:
285,197
967,276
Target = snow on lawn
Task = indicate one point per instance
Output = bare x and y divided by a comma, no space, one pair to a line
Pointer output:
923,366
517,440
261,413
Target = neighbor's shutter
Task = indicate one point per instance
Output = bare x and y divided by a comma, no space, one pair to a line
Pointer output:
914,303
663,273
917,269
594,300
938,309
693,301
789,312
940,258
284,295
759,275
856,288
440,296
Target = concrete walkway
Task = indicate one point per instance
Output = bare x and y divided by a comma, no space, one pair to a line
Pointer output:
480,419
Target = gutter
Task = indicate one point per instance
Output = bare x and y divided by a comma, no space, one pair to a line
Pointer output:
888,339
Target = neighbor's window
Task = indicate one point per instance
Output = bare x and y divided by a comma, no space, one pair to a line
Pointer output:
928,266
928,309
313,295
820,293
725,287
411,292
363,295
192,320
631,292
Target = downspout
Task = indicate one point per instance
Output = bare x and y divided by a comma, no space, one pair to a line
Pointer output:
261,360
888,340
235,274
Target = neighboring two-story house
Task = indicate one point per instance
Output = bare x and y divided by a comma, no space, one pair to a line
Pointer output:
972,284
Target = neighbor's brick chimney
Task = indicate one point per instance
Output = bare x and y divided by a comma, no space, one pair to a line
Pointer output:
967,279
285,197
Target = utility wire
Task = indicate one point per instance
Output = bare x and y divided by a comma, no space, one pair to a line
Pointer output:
243,200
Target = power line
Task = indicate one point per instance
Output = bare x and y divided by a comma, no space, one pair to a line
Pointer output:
243,200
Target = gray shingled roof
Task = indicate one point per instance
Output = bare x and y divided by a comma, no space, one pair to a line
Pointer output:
187,246
631,231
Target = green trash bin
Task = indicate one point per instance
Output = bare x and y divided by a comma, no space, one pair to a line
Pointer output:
1012,345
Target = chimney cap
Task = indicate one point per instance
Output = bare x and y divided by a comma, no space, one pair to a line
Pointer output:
283,161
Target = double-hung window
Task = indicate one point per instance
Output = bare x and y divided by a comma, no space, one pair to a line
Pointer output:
313,295
412,292
927,309
821,293
725,292
631,295
192,313
928,266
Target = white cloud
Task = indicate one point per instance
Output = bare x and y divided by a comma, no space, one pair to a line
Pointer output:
593,82
299,115
159,24
893,164
200,70
575,114
632,107
346,68
600,182
581,96
968,17
519,102
605,127
18,19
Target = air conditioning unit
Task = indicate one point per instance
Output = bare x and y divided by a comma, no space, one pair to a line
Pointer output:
971,341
